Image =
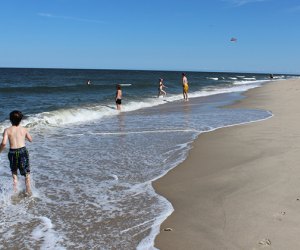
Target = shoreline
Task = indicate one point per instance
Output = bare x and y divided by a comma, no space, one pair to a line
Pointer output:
224,194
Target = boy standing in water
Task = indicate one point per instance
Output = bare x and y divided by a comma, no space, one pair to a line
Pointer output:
119,97
18,155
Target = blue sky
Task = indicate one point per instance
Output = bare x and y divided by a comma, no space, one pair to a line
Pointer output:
152,34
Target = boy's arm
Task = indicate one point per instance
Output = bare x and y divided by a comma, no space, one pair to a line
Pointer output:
4,140
28,136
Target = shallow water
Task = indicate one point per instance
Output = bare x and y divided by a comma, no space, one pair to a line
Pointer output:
92,167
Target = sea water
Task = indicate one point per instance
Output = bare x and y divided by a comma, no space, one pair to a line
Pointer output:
92,166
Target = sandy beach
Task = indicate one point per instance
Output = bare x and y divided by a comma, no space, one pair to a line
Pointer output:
239,187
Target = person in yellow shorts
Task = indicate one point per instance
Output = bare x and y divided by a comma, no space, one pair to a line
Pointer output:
185,87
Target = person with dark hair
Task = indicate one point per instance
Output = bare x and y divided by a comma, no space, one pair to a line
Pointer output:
119,97
185,87
18,155
160,88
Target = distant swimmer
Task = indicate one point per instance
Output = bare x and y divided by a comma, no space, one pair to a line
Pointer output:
271,76
160,88
18,155
88,82
185,87
119,97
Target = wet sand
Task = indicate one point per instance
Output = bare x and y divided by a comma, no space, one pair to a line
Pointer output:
239,187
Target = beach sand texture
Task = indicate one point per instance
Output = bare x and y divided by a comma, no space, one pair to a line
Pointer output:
239,187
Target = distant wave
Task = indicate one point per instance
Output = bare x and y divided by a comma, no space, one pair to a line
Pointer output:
247,82
125,84
278,77
79,114
213,78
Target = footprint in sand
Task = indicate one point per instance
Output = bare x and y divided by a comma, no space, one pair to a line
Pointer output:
280,215
265,242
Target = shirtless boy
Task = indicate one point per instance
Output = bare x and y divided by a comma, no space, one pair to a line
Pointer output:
18,155
119,97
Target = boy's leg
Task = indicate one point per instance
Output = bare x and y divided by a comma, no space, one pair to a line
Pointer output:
15,182
27,184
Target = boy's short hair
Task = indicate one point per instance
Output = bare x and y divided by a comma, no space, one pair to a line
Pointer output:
15,117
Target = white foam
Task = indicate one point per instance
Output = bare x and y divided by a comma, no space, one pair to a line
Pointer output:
46,234
3,125
249,82
115,177
85,114
148,242
144,132
6,191
278,77
213,78
225,90
249,78
125,84
67,116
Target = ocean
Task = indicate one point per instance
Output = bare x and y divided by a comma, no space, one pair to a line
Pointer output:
92,166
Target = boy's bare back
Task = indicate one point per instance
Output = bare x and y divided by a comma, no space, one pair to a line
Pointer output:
18,155
16,136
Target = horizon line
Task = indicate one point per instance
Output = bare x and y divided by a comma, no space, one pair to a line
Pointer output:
170,70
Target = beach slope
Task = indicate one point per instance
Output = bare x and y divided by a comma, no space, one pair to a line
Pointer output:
239,187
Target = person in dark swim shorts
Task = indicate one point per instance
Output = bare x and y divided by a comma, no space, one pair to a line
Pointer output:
119,97
19,159
18,155
118,101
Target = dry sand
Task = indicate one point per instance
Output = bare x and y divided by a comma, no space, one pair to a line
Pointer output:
239,187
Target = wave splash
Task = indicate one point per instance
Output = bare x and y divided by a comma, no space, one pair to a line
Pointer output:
61,117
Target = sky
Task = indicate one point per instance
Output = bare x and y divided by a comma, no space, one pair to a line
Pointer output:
190,35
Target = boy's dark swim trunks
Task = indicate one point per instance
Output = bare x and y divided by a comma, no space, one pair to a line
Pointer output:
19,159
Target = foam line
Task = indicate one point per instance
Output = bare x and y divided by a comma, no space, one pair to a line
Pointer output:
146,132
138,132
138,225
